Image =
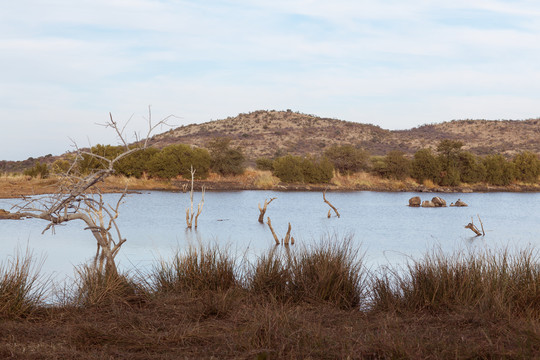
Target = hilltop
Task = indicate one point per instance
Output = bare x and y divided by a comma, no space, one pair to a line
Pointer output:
270,133
267,133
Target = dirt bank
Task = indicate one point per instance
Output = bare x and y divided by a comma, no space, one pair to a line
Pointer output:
14,187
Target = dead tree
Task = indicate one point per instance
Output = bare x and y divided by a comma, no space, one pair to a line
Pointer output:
272,230
285,241
189,211
474,228
328,202
79,197
263,209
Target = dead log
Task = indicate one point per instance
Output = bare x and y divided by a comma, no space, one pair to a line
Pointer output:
328,202
4,214
287,236
473,228
272,230
199,207
189,211
481,224
263,209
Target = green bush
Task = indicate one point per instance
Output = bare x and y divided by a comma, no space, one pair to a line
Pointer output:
288,169
527,167
38,170
425,166
137,163
450,177
175,160
499,171
89,163
60,166
471,169
225,159
347,159
449,152
264,163
392,166
291,169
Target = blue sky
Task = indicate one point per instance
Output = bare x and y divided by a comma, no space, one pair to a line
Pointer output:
397,64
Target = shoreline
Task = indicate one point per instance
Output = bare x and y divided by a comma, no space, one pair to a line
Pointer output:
16,187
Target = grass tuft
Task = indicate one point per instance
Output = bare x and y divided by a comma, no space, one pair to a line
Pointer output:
494,282
199,269
95,288
21,288
330,272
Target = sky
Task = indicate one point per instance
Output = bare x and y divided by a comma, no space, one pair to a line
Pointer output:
65,64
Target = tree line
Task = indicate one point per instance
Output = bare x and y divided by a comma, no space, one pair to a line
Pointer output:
446,165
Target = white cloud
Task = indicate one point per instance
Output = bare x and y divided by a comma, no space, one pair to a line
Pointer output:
396,64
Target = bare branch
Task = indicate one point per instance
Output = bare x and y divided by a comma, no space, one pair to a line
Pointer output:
328,202
263,209
272,230
79,198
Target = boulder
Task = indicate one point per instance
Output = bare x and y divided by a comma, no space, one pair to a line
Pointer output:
460,203
439,202
415,201
428,203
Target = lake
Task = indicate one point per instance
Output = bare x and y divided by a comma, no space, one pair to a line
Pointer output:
381,224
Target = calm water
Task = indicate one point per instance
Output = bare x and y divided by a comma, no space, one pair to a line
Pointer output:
381,224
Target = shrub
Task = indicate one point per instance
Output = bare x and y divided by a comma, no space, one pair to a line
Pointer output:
347,159
291,168
38,170
527,167
471,169
392,166
425,166
264,163
499,171
224,159
175,160
450,177
90,163
60,166
137,163
317,171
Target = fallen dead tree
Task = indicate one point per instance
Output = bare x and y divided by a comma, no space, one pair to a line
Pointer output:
473,227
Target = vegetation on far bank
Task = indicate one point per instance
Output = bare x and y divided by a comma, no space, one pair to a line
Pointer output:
222,167
299,302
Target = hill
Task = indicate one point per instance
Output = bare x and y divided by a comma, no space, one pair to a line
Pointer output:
270,133
267,133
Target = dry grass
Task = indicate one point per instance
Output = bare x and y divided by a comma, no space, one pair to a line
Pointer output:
199,269
205,307
368,181
265,180
490,282
21,287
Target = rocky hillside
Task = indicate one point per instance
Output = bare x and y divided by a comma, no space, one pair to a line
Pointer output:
267,133
271,133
